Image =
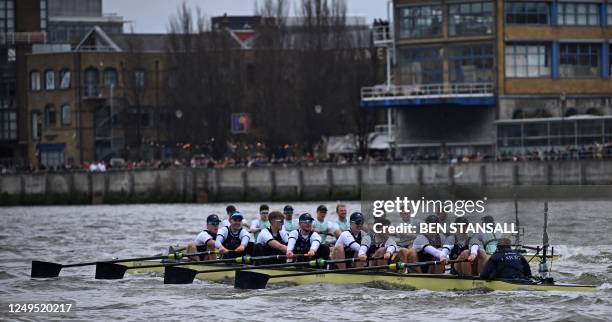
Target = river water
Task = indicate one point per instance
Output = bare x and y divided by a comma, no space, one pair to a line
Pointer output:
68,234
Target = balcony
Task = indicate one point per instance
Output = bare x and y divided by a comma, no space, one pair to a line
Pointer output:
430,94
11,38
382,35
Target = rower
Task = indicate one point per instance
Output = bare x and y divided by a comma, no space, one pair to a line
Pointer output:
273,240
428,247
205,240
234,238
353,243
406,239
322,227
489,240
258,225
342,222
461,246
506,263
230,209
306,241
385,247
291,223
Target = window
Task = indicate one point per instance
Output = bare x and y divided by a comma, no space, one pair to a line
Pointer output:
421,21
420,65
66,115
579,60
533,13
474,18
251,77
110,77
35,81
139,78
64,79
50,116
145,118
43,15
52,158
7,16
91,82
36,125
49,80
471,63
8,125
527,60
610,15
578,14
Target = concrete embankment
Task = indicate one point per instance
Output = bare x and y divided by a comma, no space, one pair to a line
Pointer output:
324,182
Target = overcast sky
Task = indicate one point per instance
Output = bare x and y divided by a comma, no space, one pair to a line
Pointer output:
152,16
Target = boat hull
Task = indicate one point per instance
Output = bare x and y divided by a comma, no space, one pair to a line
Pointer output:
433,282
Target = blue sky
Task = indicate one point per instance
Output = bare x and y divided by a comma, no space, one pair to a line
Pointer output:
152,16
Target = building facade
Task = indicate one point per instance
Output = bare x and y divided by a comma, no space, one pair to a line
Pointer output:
84,102
21,25
498,76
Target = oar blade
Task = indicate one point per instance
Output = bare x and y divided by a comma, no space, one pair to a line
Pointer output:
45,269
250,280
110,271
179,275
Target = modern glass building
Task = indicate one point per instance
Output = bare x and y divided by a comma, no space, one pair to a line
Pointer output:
498,76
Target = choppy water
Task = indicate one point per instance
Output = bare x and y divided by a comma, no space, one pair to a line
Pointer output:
74,234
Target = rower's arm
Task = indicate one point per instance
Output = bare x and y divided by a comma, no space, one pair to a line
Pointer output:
276,245
220,238
291,241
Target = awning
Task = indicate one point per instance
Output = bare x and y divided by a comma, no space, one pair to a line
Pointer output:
378,141
342,144
50,147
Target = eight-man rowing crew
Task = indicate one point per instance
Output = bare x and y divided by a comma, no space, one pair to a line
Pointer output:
278,233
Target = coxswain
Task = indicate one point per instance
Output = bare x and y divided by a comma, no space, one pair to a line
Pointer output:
291,223
230,209
322,227
353,243
306,241
460,246
342,223
258,225
273,240
205,240
489,240
234,240
506,263
428,247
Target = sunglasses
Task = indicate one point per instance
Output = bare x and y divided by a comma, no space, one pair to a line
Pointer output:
307,222
264,213
214,223
358,223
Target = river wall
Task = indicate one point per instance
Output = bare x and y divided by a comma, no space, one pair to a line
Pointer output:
321,182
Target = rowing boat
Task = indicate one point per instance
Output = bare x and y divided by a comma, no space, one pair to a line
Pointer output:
433,282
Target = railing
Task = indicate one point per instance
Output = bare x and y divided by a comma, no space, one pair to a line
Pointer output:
382,34
23,38
379,92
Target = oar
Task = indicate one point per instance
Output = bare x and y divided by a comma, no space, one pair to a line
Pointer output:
181,275
113,271
48,269
253,280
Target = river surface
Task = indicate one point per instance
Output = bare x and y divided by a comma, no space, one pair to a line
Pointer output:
69,234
